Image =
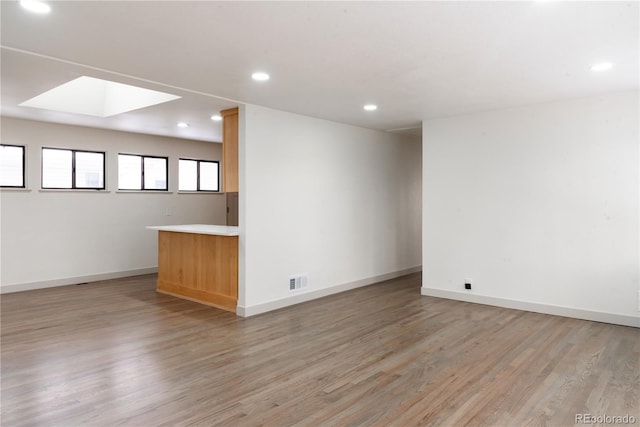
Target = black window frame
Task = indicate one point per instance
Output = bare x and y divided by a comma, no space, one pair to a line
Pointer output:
142,157
198,161
73,169
24,166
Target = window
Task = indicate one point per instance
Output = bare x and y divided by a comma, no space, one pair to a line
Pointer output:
136,172
198,175
12,166
72,169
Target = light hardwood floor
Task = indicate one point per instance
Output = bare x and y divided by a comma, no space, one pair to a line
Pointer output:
118,353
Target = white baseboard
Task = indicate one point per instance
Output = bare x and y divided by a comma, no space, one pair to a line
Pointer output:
596,316
311,295
19,287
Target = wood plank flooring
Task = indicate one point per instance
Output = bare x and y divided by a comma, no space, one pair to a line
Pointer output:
118,353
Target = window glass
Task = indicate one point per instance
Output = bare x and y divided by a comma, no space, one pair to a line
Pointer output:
129,172
89,170
209,176
155,173
11,166
56,168
187,175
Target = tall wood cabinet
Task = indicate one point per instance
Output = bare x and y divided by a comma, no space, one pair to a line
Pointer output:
230,150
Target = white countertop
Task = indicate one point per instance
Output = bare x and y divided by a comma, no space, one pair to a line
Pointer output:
217,230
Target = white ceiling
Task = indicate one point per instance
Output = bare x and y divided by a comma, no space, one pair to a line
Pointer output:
415,60
25,76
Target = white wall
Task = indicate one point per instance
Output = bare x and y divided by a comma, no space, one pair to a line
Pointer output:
57,237
337,202
538,205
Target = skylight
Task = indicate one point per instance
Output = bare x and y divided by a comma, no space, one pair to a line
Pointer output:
96,97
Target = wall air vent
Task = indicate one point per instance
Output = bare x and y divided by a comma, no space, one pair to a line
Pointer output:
297,282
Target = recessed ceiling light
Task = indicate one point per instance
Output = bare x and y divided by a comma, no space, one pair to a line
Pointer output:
35,6
97,97
260,76
602,66
183,125
216,117
370,107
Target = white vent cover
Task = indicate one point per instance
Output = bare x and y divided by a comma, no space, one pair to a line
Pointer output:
297,282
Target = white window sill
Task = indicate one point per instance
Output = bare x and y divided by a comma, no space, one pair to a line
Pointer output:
143,192
66,190
200,192
12,189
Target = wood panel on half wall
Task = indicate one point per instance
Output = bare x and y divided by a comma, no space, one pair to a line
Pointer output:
199,267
